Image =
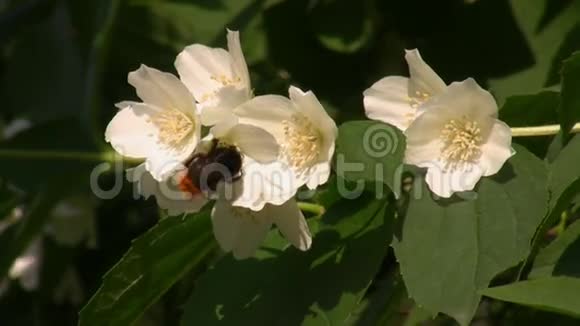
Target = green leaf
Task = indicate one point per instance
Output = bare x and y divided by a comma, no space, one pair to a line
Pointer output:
560,257
344,26
558,294
155,261
450,249
569,108
570,45
531,110
544,44
369,151
563,185
322,285
383,304
564,173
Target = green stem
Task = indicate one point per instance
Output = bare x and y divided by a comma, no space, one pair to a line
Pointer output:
317,210
64,155
541,130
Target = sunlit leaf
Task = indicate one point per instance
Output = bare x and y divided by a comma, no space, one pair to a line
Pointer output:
285,285
450,249
370,151
155,261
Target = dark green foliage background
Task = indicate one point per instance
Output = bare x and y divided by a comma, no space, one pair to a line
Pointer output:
64,63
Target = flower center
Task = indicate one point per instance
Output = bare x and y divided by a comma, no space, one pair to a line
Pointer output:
461,143
302,144
174,126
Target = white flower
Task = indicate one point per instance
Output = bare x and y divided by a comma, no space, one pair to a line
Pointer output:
168,194
171,195
458,138
306,135
164,129
218,79
396,100
220,83
242,230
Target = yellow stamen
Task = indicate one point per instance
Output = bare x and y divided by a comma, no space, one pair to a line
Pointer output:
174,127
302,145
461,143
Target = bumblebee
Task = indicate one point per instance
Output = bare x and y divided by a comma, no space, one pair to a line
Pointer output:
205,170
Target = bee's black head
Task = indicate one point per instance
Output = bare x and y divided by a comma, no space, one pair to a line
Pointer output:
221,163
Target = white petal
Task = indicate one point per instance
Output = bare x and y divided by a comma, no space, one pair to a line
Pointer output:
206,70
254,142
222,129
167,193
388,101
497,150
131,132
261,183
464,98
444,183
423,138
226,99
240,66
215,115
252,234
161,89
145,185
318,175
163,162
267,112
422,78
239,230
226,226
291,223
308,104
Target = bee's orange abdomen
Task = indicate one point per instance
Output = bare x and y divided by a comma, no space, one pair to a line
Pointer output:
186,185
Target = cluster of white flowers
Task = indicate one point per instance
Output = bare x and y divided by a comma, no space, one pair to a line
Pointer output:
452,131
283,144
273,145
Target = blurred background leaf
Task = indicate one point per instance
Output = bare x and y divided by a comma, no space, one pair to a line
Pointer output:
64,63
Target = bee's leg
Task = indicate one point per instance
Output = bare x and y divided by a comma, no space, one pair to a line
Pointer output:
237,176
